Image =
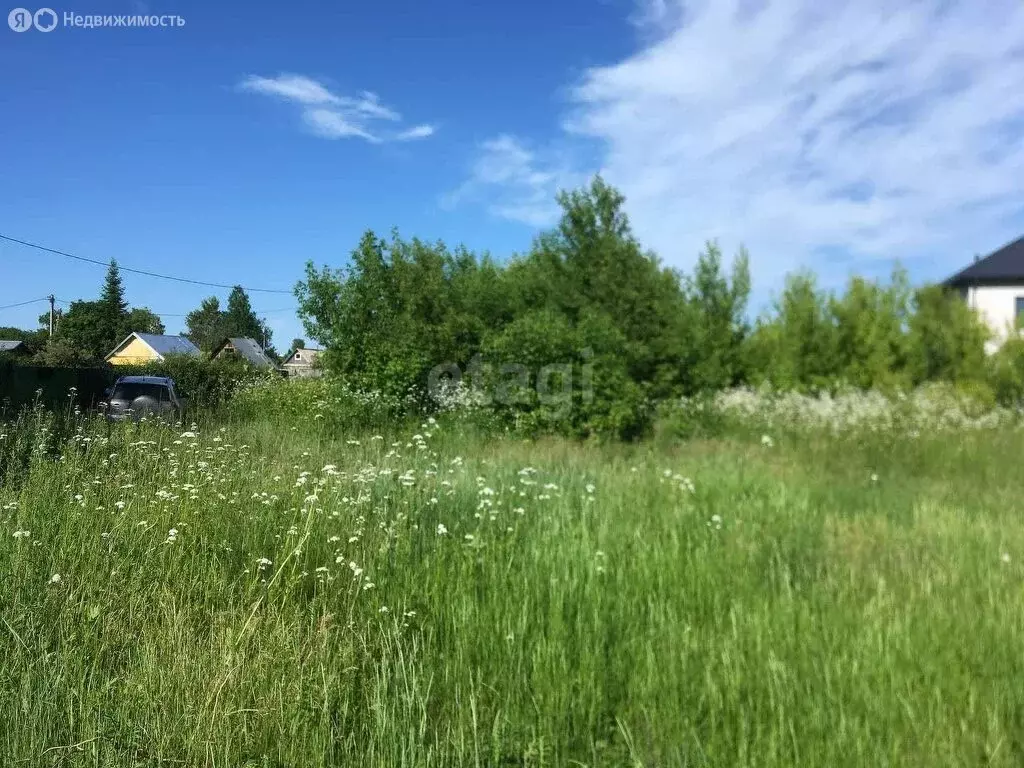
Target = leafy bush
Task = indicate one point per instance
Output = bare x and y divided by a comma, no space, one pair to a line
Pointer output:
205,383
323,403
587,296
1005,373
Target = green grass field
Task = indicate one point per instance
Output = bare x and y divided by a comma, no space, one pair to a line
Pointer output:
257,595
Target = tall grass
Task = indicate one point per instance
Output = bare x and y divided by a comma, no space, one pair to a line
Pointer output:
273,594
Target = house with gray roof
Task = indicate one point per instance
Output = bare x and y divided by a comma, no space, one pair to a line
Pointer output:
12,347
141,348
245,349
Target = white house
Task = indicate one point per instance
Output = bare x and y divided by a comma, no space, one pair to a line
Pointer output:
994,286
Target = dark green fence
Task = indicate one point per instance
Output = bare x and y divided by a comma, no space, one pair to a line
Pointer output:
203,383
22,385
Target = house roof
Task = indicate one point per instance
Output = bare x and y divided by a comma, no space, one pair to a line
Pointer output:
250,351
9,345
1002,266
161,345
291,355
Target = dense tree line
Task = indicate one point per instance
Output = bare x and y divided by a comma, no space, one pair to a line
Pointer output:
208,325
624,331
88,330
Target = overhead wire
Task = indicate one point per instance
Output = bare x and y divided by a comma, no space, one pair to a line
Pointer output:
148,273
186,314
25,303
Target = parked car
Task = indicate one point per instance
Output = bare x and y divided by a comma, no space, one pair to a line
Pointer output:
135,397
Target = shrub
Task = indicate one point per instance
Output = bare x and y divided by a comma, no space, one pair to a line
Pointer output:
1005,373
324,403
205,383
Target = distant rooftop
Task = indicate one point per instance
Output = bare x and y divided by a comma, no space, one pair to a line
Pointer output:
1003,266
250,351
162,345
9,345
170,345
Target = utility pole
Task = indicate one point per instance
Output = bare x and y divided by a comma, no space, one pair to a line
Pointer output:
50,297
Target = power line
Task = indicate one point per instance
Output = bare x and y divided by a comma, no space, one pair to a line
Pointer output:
186,314
25,303
137,271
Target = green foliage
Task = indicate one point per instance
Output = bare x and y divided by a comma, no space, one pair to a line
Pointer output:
60,352
403,309
242,322
208,325
870,322
947,338
112,293
875,335
318,406
89,330
585,297
33,340
142,320
205,383
797,347
1005,372
400,309
717,317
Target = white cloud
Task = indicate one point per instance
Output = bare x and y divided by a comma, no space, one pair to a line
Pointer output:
290,87
331,124
518,182
419,132
331,116
823,134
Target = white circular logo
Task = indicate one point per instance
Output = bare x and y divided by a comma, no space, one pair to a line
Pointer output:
45,19
20,20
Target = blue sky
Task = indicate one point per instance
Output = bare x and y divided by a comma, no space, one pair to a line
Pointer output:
838,137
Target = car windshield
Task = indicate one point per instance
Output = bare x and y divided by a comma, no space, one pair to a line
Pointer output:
128,391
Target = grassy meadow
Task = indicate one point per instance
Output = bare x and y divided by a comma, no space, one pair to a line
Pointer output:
269,593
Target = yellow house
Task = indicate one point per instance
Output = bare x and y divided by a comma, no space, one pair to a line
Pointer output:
141,348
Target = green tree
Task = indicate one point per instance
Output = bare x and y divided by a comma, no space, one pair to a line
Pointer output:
33,340
113,309
85,326
871,322
718,315
795,346
142,320
63,353
946,338
591,264
398,310
207,326
240,320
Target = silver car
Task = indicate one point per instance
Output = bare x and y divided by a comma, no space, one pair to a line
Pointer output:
136,397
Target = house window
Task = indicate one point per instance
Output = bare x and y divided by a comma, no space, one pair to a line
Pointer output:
298,355
1019,314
